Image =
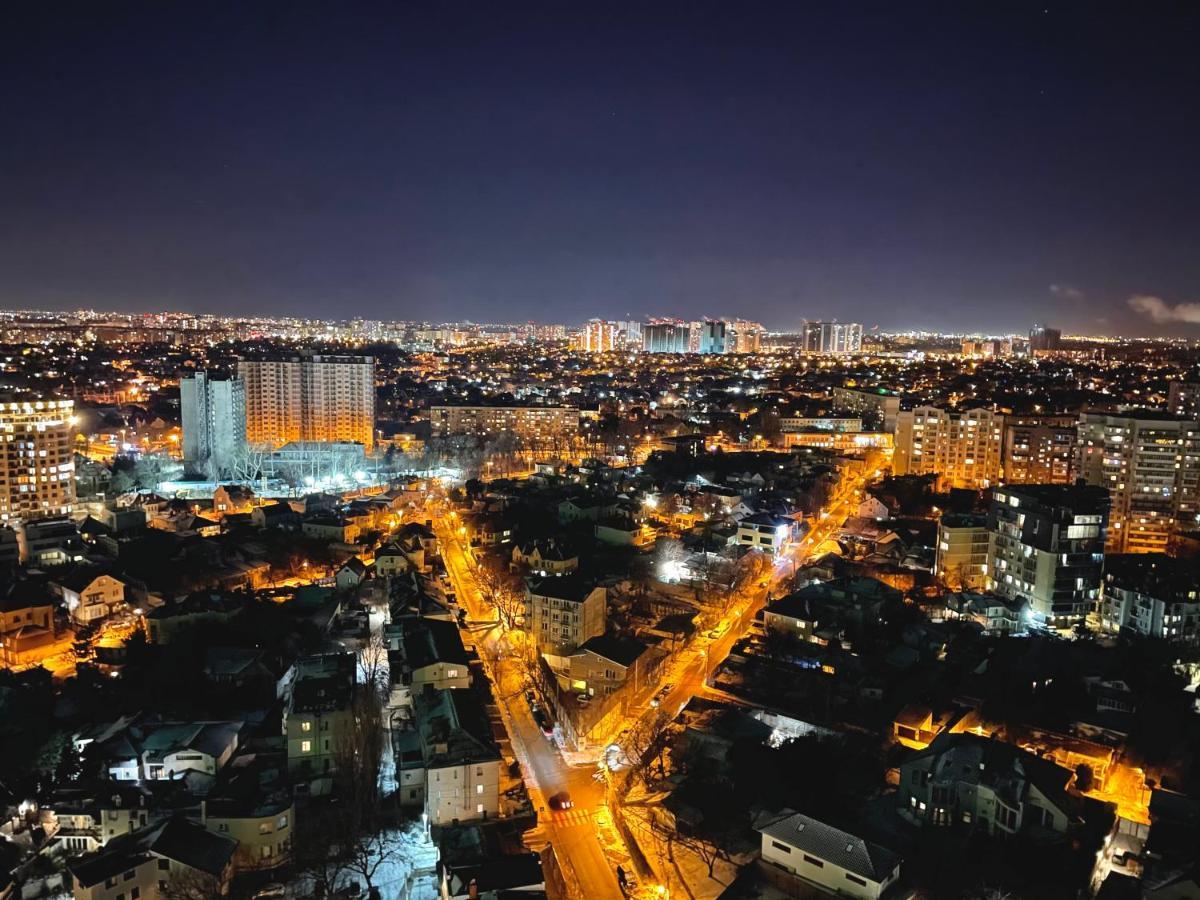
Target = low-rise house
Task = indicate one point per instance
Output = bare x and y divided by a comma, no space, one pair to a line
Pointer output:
317,715
166,623
832,860
545,557
399,557
351,574
332,528
495,878
448,764
592,509
229,499
152,862
767,532
91,594
165,751
82,820
562,613
278,514
849,600
254,806
603,664
425,652
50,542
963,780
27,623
996,615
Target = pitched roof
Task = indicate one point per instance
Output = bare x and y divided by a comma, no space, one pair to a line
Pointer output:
177,839
429,641
622,651
565,587
833,845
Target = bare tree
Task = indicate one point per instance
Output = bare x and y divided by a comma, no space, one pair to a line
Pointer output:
191,884
503,591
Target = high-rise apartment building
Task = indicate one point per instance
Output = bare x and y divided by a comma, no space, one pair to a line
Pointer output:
666,337
1184,399
1150,463
878,407
1039,449
309,398
598,336
37,459
962,549
1046,547
213,410
832,337
747,336
962,447
715,337
1044,339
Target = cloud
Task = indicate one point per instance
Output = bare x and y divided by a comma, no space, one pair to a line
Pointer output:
1067,291
1158,310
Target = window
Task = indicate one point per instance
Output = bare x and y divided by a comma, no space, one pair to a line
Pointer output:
479,808
306,726
306,746
164,865
264,827
223,826
128,876
479,788
134,893
283,821
855,879
813,861
782,848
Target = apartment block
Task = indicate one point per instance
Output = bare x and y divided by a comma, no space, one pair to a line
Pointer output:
309,398
563,612
37,459
1039,449
213,411
523,421
962,551
963,447
1151,595
1150,463
1046,548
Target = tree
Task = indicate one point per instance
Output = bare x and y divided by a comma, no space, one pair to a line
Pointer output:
191,884
503,591
645,744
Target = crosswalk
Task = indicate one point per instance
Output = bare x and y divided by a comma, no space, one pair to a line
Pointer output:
570,817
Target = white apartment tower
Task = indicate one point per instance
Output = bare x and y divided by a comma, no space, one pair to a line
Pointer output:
213,410
309,398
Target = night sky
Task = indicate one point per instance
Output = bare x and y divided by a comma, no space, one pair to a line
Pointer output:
965,166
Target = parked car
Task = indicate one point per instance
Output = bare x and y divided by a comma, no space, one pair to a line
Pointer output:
658,698
561,800
543,722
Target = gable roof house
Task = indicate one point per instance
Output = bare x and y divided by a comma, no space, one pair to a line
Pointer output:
833,860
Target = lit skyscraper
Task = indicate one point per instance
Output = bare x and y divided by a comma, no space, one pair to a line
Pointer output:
213,409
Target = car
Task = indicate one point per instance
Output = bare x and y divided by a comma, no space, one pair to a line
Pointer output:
543,722
658,698
561,800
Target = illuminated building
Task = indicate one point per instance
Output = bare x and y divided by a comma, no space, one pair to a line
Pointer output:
1042,338
1039,449
962,551
877,406
309,398
37,465
747,336
665,337
562,612
523,421
598,336
1046,547
962,447
1184,399
1151,595
832,337
1150,463
213,410
715,337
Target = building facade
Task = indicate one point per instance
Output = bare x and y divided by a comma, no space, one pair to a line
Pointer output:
1039,449
1151,595
563,612
663,337
309,398
533,422
213,411
962,552
878,408
1046,547
37,459
832,337
1150,463
963,447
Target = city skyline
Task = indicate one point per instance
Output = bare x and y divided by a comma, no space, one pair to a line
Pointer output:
976,176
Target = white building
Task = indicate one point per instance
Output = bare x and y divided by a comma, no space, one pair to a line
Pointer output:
832,860
213,411
37,459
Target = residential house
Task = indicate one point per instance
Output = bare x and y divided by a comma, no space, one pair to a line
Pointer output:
91,594
146,864
330,527
164,751
563,612
425,652
164,624
832,860
27,624
985,784
232,498
506,877
767,532
448,763
278,514
592,509
1151,595
820,610
317,715
603,664
253,805
545,557
351,574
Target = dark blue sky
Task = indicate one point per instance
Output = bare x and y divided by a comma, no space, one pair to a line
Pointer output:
956,166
